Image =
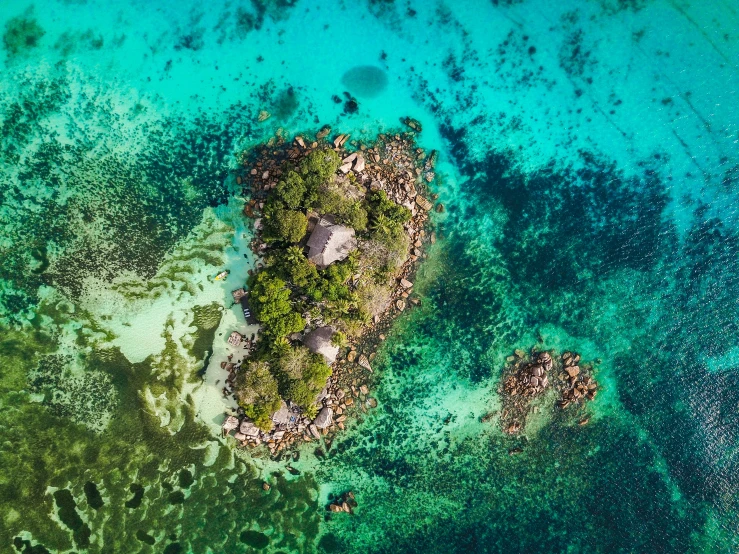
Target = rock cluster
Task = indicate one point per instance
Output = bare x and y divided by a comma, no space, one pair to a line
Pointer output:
528,378
580,385
343,503
291,426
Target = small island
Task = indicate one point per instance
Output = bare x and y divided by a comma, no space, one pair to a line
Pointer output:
541,380
338,226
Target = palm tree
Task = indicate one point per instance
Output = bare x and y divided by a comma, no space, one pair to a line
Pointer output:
281,346
294,255
381,224
339,339
342,306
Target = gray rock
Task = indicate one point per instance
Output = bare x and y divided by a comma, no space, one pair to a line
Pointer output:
324,418
230,424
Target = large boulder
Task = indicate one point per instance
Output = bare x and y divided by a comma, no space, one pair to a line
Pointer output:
249,429
230,424
324,418
281,416
319,341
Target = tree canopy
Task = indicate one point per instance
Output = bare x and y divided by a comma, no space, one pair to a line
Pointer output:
270,301
291,190
288,225
257,393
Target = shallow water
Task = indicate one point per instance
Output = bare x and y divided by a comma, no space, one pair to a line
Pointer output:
588,169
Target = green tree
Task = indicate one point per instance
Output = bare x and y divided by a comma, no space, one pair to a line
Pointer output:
381,224
292,363
270,300
355,217
291,190
288,225
317,169
314,373
320,164
301,393
380,204
256,392
303,274
294,255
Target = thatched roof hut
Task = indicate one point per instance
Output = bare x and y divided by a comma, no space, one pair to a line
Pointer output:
318,341
329,243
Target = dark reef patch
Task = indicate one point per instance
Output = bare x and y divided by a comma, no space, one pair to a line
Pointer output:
22,33
68,515
152,198
286,104
138,496
185,478
145,537
489,501
94,499
25,547
365,80
255,539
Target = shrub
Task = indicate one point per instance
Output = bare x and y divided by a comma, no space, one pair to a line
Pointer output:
300,393
311,411
380,204
317,168
339,339
373,298
256,392
293,362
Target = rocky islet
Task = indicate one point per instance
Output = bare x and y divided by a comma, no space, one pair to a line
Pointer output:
392,163
529,380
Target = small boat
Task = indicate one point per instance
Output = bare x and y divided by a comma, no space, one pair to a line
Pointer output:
222,275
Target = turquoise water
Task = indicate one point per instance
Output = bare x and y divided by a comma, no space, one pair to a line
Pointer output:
588,169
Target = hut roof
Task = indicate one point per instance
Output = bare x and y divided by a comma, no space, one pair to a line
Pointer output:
329,243
319,342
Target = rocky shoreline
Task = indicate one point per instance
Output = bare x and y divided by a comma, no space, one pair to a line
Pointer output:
391,163
529,379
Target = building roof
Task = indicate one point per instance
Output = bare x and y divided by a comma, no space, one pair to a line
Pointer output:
329,243
248,316
318,341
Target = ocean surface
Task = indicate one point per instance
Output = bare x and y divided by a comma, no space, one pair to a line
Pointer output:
589,169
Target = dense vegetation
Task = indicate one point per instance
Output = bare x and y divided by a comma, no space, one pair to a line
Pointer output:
290,289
